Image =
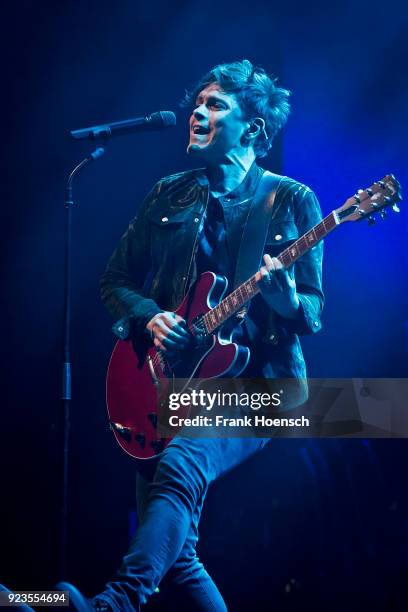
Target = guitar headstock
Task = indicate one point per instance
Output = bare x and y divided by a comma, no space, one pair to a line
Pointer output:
376,198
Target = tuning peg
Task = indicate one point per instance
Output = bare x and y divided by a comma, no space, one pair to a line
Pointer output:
371,220
383,214
396,208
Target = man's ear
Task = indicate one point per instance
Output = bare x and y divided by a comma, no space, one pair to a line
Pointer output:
256,126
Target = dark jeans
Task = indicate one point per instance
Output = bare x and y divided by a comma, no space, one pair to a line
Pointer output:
169,509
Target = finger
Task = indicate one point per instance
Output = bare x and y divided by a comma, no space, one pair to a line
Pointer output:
273,278
163,333
172,321
171,343
265,276
159,346
264,272
272,263
170,353
163,327
182,322
268,262
164,319
278,265
182,331
168,319
267,259
179,340
178,318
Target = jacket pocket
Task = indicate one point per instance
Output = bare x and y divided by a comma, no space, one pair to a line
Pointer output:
172,236
165,216
281,232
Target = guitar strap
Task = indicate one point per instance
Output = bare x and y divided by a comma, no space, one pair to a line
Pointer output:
256,228
253,242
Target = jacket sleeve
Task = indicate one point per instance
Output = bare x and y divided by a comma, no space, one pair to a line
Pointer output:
307,270
126,274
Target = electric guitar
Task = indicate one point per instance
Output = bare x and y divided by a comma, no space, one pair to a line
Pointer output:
134,391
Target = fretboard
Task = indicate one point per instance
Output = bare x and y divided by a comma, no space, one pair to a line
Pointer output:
245,292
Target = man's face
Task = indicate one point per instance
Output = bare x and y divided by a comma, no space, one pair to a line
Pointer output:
216,126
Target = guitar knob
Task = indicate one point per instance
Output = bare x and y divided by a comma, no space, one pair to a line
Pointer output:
152,416
141,438
157,445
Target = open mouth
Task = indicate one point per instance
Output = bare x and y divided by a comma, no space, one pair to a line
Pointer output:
200,129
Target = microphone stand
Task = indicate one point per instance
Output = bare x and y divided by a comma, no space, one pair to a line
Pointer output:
66,366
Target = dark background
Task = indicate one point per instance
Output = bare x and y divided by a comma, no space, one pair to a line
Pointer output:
319,523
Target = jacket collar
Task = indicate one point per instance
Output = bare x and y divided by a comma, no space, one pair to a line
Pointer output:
244,191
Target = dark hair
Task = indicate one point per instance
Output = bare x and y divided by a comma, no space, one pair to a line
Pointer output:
257,94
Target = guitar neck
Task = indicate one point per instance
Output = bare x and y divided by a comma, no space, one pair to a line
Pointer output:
230,305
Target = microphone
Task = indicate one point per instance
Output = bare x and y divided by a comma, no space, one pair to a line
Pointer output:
155,121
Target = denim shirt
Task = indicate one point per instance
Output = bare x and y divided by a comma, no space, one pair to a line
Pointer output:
154,264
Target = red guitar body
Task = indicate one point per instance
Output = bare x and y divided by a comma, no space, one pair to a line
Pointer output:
134,390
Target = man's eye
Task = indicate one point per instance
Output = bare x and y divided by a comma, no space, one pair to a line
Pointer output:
217,104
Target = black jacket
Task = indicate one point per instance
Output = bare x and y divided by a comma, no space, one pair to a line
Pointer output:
153,265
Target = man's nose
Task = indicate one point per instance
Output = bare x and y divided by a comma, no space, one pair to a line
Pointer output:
200,112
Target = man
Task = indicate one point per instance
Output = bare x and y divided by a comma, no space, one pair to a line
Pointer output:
189,223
